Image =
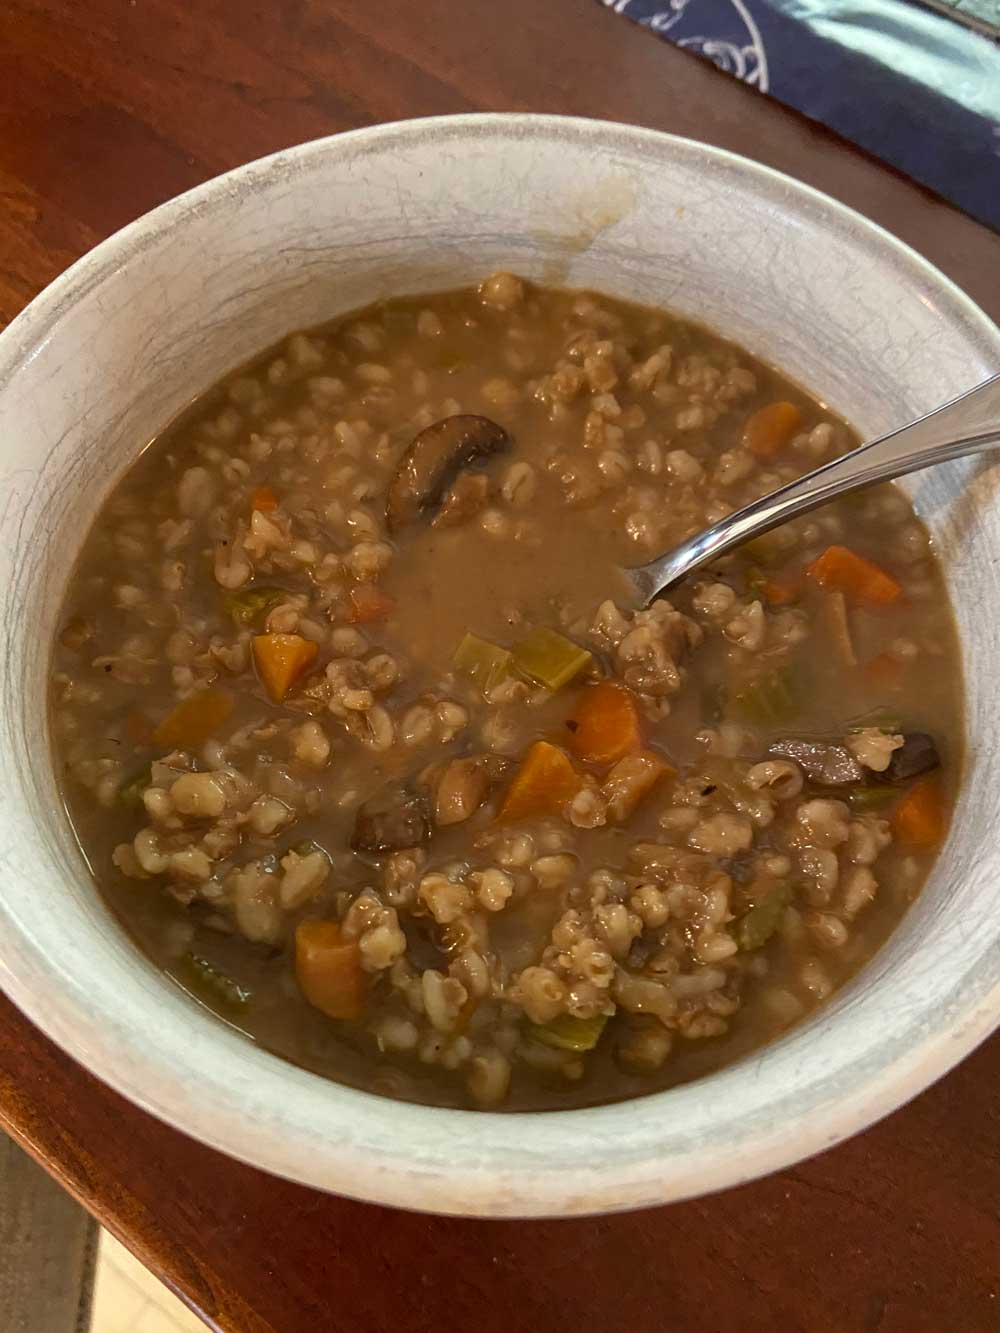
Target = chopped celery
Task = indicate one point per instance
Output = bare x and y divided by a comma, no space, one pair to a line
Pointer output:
756,581
765,550
567,1033
249,606
485,663
768,699
756,926
838,623
871,798
713,702
549,658
130,793
878,719
213,984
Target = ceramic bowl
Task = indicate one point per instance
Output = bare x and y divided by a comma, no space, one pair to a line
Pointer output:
108,354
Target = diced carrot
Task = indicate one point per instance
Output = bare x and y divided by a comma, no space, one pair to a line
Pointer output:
847,572
328,969
783,591
884,672
631,779
264,499
281,659
918,821
769,430
543,785
368,602
605,724
193,720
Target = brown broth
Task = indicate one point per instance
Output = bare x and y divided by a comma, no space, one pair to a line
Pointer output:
614,457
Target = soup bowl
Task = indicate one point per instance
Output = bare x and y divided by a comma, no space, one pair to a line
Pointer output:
114,349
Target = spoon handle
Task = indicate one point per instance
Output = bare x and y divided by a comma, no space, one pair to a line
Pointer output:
966,425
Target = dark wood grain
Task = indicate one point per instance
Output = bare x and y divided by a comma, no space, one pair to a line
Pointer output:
106,109
894,1232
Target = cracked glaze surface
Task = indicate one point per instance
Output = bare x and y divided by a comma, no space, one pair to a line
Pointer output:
111,351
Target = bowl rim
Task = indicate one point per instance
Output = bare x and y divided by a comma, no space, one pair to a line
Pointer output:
483,1189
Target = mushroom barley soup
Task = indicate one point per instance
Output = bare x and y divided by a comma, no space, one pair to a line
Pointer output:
370,747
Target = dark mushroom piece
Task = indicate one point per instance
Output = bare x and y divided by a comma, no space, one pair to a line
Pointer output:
740,868
463,498
462,785
460,791
824,763
433,460
390,821
917,755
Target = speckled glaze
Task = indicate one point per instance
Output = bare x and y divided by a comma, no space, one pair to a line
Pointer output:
113,349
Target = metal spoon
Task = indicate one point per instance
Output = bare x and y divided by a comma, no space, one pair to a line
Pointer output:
964,426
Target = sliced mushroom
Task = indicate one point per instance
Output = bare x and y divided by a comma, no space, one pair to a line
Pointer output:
464,498
76,634
918,754
460,791
825,764
741,868
390,821
434,458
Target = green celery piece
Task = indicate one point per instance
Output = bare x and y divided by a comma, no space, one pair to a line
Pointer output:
881,719
872,798
713,702
485,663
764,550
130,793
756,581
756,926
213,984
251,605
567,1033
549,658
768,699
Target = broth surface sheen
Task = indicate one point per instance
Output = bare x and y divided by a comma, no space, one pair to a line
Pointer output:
420,799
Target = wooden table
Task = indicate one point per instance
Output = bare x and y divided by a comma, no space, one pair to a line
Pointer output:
108,108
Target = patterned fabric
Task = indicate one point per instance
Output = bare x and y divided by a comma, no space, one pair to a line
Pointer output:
981,14
899,79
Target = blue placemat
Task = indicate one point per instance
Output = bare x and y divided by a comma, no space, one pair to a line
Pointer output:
903,81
